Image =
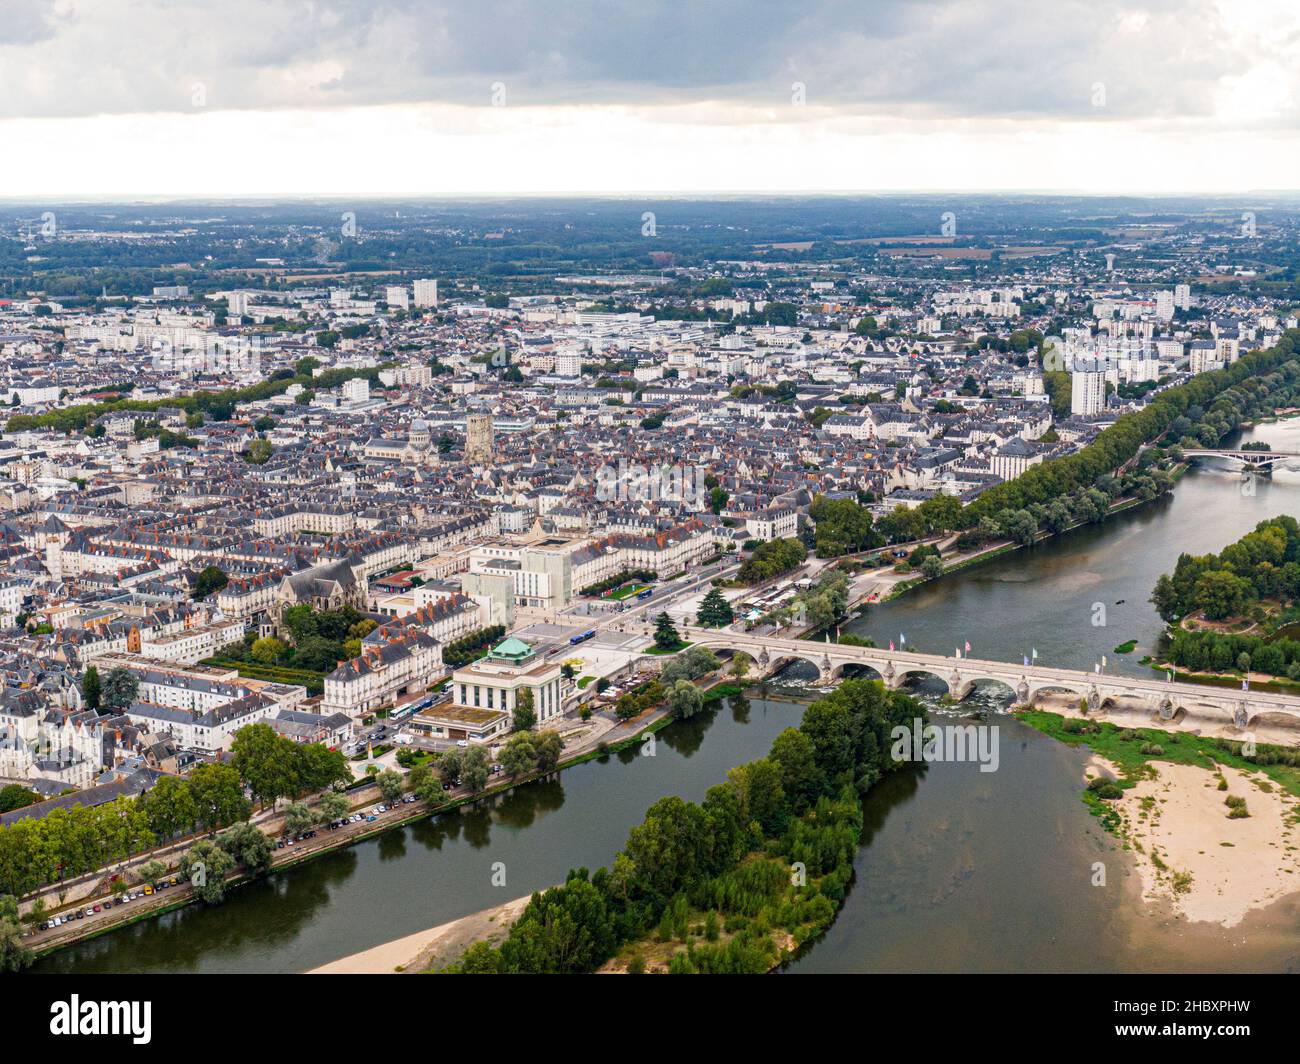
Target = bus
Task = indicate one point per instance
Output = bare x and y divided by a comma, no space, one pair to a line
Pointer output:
646,593
575,640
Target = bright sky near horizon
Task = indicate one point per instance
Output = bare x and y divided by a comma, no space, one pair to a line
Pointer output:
429,97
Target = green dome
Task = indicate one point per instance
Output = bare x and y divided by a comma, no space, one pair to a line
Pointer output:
512,649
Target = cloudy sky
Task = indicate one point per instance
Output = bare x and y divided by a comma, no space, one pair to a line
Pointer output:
425,97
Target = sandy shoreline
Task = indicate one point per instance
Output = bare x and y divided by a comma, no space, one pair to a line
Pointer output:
1178,827
434,948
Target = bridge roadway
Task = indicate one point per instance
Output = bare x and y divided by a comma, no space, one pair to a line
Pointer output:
1249,457
1169,700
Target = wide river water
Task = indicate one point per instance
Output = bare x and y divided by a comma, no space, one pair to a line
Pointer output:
958,870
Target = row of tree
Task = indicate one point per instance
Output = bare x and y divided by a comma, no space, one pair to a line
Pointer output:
1216,652
69,842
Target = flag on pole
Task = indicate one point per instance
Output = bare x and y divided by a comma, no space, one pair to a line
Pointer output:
1096,667
967,646
956,652
1103,661
1026,661
1035,654
891,644
902,639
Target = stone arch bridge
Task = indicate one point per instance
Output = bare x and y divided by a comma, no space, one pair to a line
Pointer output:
1167,700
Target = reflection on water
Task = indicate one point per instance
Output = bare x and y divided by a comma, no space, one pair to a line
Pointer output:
439,869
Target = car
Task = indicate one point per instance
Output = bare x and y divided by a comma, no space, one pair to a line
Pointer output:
43,925
462,743
409,799
81,914
446,786
370,818
174,881
148,890
381,809
95,909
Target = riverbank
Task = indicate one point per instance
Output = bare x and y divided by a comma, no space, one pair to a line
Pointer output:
1003,547
1212,834
1191,853
433,949
619,738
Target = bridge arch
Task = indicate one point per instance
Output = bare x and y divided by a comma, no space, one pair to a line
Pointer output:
855,670
974,684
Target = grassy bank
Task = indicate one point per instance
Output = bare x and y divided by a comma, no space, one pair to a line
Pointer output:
1132,749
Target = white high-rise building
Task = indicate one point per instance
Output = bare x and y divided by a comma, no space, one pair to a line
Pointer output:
396,297
1183,296
1165,305
1088,388
356,390
426,293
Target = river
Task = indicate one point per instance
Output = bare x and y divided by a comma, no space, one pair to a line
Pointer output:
958,870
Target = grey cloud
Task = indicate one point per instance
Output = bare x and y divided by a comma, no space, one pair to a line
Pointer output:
945,58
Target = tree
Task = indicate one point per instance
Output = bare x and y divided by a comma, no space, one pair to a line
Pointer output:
267,650
391,784
14,956
931,567
1166,600
524,715
1022,528
206,865
518,756
685,700
91,690
218,795
666,637
335,806
550,747
249,846
120,689
298,818
475,769
152,871
261,761
170,807
209,580
1221,594
843,526
740,664
258,452
450,764
714,611
16,796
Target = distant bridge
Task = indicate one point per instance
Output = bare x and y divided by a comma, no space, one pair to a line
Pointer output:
1166,700
1247,457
